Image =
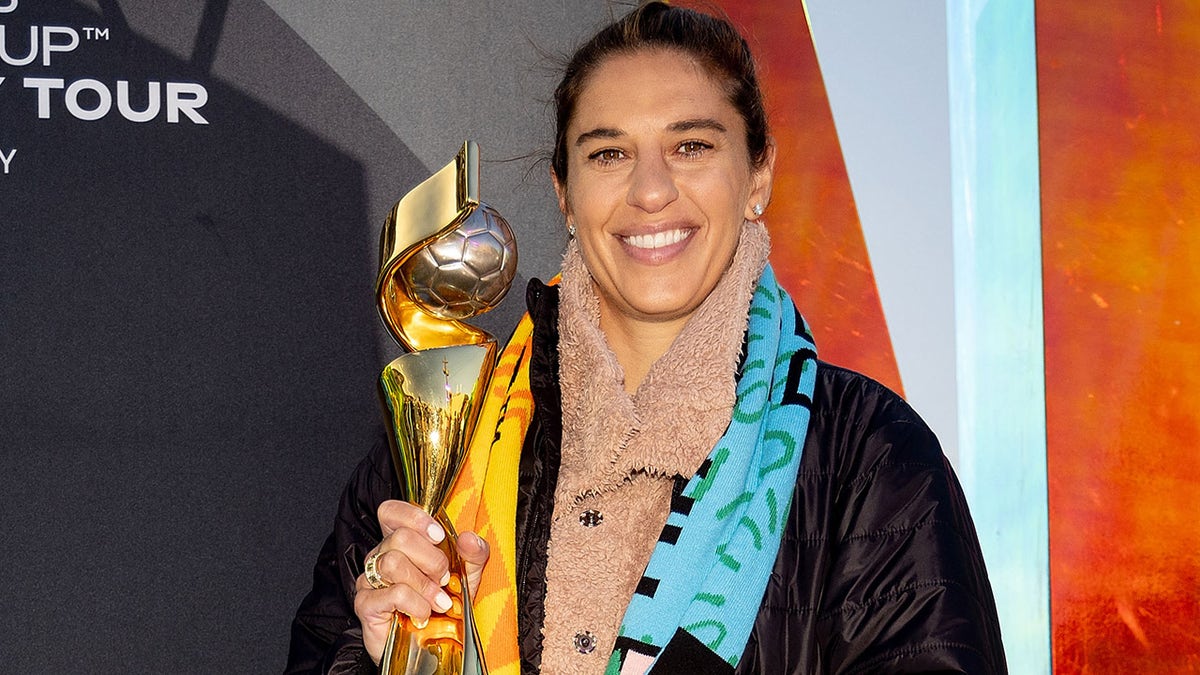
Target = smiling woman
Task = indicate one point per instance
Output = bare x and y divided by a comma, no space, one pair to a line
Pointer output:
670,480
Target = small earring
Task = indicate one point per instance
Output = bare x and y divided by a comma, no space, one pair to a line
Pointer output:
758,209
571,231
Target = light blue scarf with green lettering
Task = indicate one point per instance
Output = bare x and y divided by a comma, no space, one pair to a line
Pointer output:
697,601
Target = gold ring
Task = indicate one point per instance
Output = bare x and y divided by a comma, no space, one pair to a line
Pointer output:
371,571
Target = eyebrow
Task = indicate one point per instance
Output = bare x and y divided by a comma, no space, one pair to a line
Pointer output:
706,123
600,132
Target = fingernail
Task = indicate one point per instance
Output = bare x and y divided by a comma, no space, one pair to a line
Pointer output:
421,623
436,533
445,578
442,601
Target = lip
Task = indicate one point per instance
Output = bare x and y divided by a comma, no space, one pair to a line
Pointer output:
657,246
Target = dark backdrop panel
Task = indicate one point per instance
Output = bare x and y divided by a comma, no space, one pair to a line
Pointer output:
187,345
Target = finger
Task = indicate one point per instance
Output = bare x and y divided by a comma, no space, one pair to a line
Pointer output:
394,514
406,548
398,570
474,551
402,598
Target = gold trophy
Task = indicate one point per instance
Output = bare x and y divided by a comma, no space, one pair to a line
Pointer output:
444,257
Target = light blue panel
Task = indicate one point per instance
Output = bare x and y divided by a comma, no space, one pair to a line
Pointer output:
884,69
998,310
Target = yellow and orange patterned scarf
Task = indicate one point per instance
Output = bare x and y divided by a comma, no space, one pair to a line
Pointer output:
484,499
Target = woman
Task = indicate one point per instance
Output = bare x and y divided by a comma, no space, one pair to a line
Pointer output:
696,492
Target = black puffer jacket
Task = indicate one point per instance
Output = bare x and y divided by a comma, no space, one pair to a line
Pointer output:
879,570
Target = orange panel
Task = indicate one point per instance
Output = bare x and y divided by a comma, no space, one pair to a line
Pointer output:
1119,90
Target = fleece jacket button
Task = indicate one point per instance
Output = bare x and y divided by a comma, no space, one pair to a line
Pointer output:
591,518
585,642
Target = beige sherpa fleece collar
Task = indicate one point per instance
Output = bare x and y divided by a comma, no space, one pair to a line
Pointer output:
682,406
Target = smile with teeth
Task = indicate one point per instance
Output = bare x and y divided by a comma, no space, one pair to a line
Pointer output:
658,239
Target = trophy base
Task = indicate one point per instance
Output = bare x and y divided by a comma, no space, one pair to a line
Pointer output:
418,653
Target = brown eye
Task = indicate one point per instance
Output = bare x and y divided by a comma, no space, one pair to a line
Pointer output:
693,148
606,156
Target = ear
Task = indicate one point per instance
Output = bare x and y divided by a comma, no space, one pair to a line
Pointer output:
560,190
761,180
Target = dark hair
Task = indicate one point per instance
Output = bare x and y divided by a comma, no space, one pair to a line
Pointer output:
657,25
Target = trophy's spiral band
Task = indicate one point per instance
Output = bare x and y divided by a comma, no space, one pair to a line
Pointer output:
436,206
432,396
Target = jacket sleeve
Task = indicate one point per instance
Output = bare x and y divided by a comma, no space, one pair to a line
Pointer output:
907,590
326,635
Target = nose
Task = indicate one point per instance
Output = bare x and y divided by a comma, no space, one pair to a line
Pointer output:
651,184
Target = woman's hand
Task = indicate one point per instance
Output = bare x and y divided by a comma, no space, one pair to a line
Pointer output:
415,569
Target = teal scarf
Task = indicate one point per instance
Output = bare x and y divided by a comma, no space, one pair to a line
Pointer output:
697,601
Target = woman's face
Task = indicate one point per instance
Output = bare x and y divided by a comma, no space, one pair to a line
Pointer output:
659,184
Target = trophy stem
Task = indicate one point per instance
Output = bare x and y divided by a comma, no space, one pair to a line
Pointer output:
433,399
